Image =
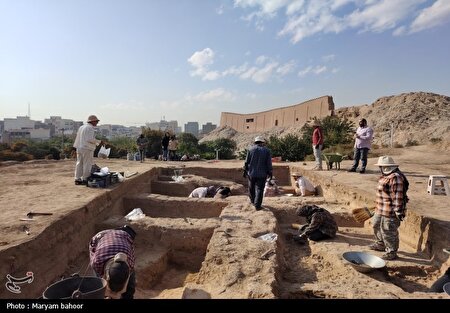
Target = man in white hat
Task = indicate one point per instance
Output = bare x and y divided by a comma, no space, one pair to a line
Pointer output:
317,143
85,144
390,207
258,168
303,187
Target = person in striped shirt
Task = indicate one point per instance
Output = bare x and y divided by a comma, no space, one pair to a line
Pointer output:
390,207
112,257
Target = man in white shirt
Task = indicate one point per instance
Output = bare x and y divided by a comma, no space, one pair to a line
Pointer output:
85,143
303,187
203,192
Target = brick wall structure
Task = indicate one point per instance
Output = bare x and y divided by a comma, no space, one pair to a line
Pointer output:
294,115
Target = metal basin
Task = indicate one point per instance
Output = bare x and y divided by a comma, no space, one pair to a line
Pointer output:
363,262
77,287
447,288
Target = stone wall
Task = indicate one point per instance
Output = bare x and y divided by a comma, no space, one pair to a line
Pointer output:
294,115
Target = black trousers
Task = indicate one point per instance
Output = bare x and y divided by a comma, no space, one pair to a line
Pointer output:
256,190
131,287
317,235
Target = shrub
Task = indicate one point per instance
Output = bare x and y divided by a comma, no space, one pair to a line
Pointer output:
435,140
411,142
8,155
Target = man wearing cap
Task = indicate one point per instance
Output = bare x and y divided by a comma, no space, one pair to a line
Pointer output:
303,187
363,142
85,144
257,168
390,207
317,143
112,257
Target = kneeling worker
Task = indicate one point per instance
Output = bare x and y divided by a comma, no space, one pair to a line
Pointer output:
303,187
321,224
112,257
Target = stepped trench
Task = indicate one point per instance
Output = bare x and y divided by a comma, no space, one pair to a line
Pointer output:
208,248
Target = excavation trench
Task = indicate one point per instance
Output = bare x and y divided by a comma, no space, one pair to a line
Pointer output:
213,248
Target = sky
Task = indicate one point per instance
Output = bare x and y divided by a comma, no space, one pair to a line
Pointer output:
136,61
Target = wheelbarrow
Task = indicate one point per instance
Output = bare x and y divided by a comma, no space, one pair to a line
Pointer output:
331,158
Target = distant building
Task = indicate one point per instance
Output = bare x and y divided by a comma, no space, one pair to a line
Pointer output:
208,127
298,114
191,128
21,122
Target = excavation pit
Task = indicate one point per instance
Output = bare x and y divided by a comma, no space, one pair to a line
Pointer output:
212,245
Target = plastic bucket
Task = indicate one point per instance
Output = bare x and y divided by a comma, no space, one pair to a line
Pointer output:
91,288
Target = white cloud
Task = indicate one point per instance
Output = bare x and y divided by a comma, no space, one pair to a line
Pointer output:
319,69
236,70
201,60
305,71
436,15
215,95
306,18
261,59
286,68
220,10
335,70
382,15
131,105
328,58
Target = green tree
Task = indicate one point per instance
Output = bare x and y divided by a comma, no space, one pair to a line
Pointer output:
335,131
154,137
290,147
188,144
225,146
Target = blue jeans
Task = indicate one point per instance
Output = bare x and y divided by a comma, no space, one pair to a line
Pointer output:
165,152
360,154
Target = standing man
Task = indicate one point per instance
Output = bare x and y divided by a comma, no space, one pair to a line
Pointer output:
317,143
257,168
390,207
363,142
142,143
85,144
111,254
165,145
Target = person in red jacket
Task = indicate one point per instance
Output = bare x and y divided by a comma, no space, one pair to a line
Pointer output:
317,143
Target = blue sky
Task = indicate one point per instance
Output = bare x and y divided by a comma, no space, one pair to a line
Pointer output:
135,61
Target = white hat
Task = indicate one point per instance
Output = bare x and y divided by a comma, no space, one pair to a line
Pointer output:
259,139
386,161
296,174
316,123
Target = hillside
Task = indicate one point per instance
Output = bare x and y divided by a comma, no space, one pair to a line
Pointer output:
415,116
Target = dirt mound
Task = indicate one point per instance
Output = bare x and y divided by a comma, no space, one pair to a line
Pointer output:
413,117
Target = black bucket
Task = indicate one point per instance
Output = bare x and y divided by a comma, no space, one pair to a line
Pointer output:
91,288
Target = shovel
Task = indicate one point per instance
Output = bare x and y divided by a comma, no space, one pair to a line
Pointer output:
33,214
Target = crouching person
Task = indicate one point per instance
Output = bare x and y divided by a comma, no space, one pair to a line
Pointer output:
112,257
321,224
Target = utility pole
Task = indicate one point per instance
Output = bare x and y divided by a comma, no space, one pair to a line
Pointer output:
217,153
392,135
62,143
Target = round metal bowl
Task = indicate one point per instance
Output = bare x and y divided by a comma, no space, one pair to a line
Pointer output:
447,288
363,262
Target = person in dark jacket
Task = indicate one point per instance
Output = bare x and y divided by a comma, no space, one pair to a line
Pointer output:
258,168
321,224
165,145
